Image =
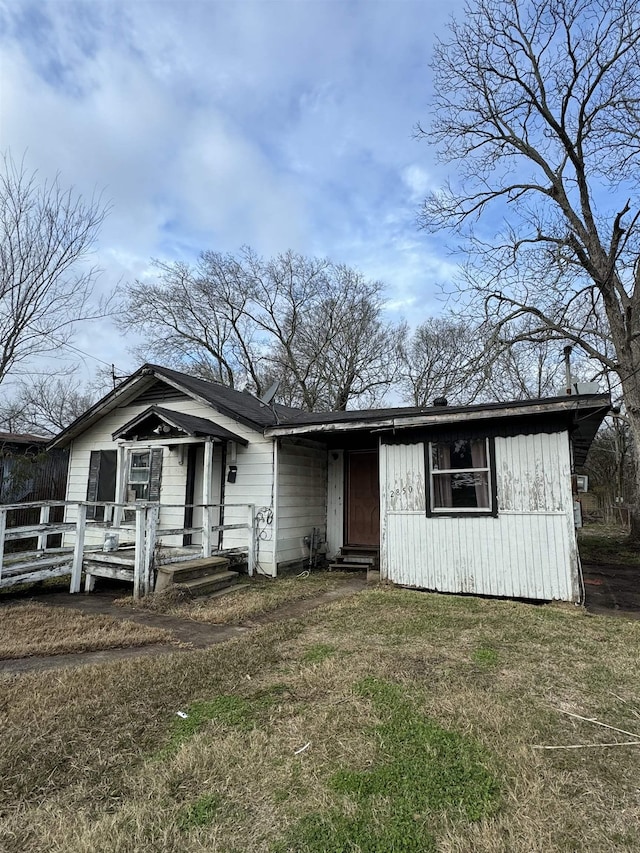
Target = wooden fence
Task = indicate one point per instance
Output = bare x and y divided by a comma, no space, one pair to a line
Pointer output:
144,536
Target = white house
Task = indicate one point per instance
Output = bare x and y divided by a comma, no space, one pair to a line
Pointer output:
474,499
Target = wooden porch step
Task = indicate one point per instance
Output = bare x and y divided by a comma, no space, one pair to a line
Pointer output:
189,570
209,584
103,569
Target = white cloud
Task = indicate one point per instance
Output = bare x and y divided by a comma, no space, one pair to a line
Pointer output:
217,124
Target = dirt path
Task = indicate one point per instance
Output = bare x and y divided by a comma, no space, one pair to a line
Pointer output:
612,589
189,633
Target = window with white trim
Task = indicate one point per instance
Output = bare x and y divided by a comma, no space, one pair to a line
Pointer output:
460,478
139,476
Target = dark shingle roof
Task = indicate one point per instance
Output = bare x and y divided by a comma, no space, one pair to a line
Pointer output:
237,404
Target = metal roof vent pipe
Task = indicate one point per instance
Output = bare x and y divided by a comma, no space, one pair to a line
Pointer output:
567,369
441,401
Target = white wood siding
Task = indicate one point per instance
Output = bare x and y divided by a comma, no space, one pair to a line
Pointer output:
302,497
254,482
528,551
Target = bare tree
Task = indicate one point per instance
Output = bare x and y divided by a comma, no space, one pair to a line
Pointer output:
538,103
46,404
46,235
443,357
240,319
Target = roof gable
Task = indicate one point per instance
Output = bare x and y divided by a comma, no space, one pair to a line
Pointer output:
159,423
153,383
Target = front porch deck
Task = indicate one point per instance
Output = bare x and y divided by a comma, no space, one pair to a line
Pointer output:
136,560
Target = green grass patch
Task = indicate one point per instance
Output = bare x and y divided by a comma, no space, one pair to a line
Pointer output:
607,545
233,711
485,657
422,772
200,813
318,653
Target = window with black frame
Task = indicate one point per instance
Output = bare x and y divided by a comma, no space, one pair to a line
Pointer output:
460,479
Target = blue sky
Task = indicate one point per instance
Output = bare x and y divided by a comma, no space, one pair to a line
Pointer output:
210,125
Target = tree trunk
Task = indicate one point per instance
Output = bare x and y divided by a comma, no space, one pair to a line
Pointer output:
632,406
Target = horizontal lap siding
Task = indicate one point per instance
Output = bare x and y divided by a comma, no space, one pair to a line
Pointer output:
253,483
528,551
302,497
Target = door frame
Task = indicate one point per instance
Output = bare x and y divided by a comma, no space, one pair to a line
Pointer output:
346,537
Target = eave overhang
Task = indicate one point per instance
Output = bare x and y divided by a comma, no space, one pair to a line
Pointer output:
583,414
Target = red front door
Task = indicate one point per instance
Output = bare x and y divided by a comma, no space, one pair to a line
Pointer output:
363,498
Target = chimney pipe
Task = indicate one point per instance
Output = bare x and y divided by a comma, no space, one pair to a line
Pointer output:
567,368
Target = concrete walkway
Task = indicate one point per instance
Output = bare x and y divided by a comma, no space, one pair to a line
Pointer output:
187,632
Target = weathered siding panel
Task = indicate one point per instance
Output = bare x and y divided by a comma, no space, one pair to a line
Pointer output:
302,496
405,479
528,551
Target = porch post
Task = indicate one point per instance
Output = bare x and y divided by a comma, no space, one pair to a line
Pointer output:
152,514
207,476
44,519
139,555
78,549
120,477
3,527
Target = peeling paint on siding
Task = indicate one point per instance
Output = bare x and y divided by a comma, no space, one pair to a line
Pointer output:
404,486
528,551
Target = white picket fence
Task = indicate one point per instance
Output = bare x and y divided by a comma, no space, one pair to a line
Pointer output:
144,535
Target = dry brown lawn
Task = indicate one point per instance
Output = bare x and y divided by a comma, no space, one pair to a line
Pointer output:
389,721
256,596
37,629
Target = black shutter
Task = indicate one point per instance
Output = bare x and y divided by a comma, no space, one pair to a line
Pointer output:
92,485
101,485
155,474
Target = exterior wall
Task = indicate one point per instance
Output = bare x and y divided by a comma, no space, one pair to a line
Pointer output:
254,482
302,497
528,551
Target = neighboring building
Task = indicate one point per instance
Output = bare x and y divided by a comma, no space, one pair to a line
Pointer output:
470,499
27,471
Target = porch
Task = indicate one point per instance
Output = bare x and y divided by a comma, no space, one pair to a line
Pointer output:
127,543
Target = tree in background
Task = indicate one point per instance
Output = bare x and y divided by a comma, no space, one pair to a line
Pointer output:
448,356
46,284
46,404
443,357
313,325
537,104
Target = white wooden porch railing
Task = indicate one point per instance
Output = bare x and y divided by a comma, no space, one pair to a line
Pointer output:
144,535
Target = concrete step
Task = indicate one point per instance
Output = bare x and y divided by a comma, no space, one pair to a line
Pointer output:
188,570
211,583
356,558
369,558
347,566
